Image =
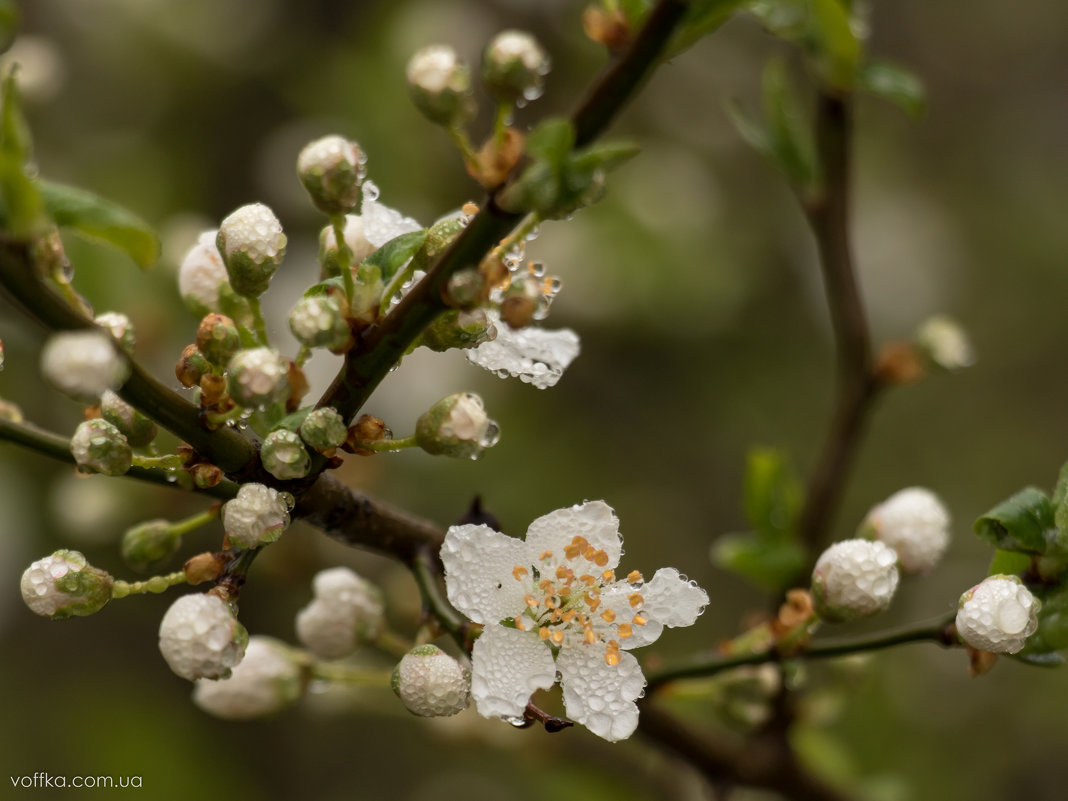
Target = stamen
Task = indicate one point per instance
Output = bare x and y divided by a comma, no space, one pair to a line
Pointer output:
531,601
634,577
572,551
546,555
611,653
569,615
557,616
589,637
608,576
588,553
587,579
546,585
600,558
608,615
543,632
519,571
624,630
558,636
519,623
639,620
563,572
635,599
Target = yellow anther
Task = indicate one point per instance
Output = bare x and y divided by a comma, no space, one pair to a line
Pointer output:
639,620
589,637
543,632
546,555
624,630
550,602
558,636
563,572
572,551
608,615
519,623
557,616
634,577
579,542
635,599
608,576
569,615
545,585
611,658
600,558
587,579
589,552
519,571
531,601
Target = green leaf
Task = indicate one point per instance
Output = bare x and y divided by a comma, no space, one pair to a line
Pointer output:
789,132
772,493
395,253
1008,563
603,156
323,287
21,210
551,142
1049,659
752,132
96,218
702,18
292,421
768,561
9,24
1020,523
894,83
837,48
1052,632
786,19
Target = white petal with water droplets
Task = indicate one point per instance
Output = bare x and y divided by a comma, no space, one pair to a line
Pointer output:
381,223
616,597
479,578
598,695
507,666
533,355
593,520
673,600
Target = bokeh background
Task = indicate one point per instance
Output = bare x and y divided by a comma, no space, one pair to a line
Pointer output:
695,290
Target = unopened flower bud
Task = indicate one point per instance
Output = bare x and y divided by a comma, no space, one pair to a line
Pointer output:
915,524
202,275
99,447
346,611
257,377
317,322
257,515
148,545
266,681
440,85
945,343
218,339
206,476
65,584
284,456
854,579
514,66
330,169
138,429
457,329
200,638
83,364
431,683
252,246
191,367
120,327
997,615
457,426
324,429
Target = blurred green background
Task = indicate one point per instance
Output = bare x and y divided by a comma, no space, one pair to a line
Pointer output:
696,293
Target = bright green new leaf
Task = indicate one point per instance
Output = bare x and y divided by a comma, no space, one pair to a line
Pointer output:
21,210
96,218
894,83
551,142
603,156
293,421
1021,523
752,132
395,253
770,562
1008,563
1052,632
837,47
772,493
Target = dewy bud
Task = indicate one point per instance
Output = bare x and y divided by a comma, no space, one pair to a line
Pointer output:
191,367
83,364
330,169
284,456
324,429
317,322
252,246
267,680
65,584
945,343
120,327
514,66
257,515
257,378
218,339
346,611
355,239
138,429
457,426
200,637
202,275
440,85
997,615
149,545
853,579
457,329
99,447
431,683
915,524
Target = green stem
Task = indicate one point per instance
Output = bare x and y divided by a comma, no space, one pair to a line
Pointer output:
193,522
393,643
530,222
426,569
344,255
463,144
500,122
387,445
332,671
169,461
703,668
156,585
258,321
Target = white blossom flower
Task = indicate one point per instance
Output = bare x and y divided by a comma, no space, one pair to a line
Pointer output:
997,615
533,355
551,604
946,343
267,680
915,523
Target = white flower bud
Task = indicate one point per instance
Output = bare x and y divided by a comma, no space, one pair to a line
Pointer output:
284,456
324,429
252,246
431,683
200,638
346,611
514,66
945,343
266,681
440,85
138,429
355,239
120,327
65,584
853,579
257,377
99,447
915,524
317,322
83,364
331,170
457,426
202,275
257,515
997,615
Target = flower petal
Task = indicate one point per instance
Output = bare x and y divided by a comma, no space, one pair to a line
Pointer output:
598,695
616,597
480,576
593,520
507,666
672,599
534,355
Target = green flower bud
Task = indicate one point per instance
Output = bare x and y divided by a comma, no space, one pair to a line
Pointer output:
138,429
457,329
324,429
257,378
440,85
317,322
191,367
65,584
120,327
431,683
514,67
147,546
218,339
457,426
99,447
252,246
284,456
331,170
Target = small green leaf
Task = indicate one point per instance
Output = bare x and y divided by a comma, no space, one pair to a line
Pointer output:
395,253
894,83
603,156
551,142
635,11
21,210
323,287
702,18
292,421
1052,632
785,19
752,132
96,218
1008,563
770,562
1020,523
772,493
789,132
1049,659
837,48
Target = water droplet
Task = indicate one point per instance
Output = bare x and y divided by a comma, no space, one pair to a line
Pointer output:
532,234
518,722
492,435
370,191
